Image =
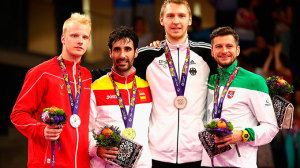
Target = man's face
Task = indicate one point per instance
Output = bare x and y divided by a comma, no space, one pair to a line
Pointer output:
176,20
76,39
225,50
123,54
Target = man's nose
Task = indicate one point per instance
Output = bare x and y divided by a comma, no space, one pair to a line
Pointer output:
224,49
80,40
176,19
123,54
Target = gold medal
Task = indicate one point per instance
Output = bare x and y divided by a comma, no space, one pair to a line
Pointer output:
129,133
180,102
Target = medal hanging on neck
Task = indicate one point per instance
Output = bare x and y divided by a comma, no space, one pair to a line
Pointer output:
128,132
74,119
219,105
180,101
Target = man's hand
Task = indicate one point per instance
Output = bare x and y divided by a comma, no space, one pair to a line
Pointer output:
155,44
105,153
52,132
233,138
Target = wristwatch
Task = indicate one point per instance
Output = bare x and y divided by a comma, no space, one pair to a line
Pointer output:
245,135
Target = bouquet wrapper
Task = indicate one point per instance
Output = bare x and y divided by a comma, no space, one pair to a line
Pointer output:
208,141
284,112
129,153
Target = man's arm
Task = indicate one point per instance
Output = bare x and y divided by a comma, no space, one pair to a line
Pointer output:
92,126
23,114
262,108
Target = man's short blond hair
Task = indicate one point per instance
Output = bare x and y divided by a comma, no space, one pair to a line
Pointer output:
178,2
77,17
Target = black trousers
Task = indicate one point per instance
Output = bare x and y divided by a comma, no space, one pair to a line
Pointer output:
158,164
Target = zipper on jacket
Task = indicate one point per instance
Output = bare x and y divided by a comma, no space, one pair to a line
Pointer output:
75,91
74,78
179,78
127,92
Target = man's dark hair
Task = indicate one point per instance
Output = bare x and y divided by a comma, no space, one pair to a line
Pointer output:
123,33
223,31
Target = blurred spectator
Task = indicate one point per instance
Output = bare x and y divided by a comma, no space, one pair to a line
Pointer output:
146,9
282,13
122,13
265,23
293,139
225,12
198,33
245,23
140,28
255,57
277,64
295,59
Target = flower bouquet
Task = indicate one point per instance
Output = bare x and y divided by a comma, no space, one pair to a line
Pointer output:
279,89
219,127
278,86
54,116
128,150
108,137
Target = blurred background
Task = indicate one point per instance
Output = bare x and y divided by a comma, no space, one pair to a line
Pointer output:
31,31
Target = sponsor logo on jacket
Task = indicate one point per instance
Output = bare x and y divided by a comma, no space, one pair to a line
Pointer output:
111,97
268,102
163,63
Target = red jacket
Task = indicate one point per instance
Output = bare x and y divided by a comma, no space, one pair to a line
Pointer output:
43,87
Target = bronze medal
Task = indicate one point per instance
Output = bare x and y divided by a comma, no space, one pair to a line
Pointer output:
180,102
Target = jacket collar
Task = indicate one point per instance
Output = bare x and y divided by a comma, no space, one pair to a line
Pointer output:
229,70
122,79
182,47
70,63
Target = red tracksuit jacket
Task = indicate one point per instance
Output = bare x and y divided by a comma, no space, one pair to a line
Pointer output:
43,87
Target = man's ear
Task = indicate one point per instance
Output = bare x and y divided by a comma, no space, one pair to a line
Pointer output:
110,53
161,19
238,50
190,21
136,53
62,38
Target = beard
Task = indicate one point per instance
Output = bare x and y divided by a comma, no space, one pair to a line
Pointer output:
123,68
226,64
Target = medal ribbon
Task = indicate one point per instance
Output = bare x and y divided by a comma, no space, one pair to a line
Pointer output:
127,118
219,105
74,104
179,86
